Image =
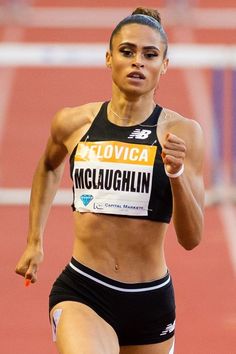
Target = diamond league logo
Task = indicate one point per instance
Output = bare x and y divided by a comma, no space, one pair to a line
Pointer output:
86,199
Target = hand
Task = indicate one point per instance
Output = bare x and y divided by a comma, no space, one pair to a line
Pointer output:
29,263
173,153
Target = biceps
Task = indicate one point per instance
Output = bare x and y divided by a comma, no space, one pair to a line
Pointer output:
54,155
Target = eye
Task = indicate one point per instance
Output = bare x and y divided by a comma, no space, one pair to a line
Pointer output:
151,55
126,52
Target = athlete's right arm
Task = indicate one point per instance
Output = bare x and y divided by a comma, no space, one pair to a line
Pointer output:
45,183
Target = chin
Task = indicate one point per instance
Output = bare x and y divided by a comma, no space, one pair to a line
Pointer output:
134,91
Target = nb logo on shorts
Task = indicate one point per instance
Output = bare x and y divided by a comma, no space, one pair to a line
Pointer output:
169,328
139,134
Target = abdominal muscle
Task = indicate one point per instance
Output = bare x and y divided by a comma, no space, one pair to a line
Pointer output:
124,249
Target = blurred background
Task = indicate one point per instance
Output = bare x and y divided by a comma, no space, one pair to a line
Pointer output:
52,55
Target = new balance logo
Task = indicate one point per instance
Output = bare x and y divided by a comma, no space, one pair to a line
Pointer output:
86,199
169,328
139,134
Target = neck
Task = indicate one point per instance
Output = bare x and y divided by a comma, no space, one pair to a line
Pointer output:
125,112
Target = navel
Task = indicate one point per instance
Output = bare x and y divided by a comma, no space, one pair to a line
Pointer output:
117,267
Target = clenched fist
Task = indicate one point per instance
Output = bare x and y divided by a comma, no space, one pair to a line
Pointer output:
29,263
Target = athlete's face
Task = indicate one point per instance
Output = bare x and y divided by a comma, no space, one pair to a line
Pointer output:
136,59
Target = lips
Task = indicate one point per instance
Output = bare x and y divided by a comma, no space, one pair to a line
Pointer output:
136,75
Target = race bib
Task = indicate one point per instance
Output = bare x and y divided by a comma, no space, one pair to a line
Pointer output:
113,178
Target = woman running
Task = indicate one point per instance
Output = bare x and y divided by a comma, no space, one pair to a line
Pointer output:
134,166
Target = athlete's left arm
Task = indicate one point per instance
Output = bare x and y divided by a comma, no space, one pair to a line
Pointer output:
185,145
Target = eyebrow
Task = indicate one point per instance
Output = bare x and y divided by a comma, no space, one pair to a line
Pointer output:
135,46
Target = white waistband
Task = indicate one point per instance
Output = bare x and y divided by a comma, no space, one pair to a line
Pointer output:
133,290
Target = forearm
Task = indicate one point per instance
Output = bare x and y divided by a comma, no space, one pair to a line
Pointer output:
44,187
45,183
187,212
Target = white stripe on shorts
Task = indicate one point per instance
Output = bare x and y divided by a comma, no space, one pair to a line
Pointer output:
154,287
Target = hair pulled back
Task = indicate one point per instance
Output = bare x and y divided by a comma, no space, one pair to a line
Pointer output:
144,16
148,12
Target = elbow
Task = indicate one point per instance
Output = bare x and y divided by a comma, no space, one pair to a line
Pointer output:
189,238
56,170
189,234
189,245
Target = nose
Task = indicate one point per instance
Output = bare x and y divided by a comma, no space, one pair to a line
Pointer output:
137,63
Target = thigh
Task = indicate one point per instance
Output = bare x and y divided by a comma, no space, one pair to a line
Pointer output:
80,330
166,347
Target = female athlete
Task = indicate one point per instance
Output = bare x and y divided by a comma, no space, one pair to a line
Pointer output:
134,165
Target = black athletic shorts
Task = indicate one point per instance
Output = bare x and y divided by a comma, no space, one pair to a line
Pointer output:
140,313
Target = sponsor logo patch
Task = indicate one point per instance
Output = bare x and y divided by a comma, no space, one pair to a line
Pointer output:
86,199
139,134
169,328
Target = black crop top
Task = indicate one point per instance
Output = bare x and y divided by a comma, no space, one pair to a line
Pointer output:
118,170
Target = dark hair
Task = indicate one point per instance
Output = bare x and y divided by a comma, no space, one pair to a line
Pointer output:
143,16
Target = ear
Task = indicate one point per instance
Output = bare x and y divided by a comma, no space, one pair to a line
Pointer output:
164,66
108,59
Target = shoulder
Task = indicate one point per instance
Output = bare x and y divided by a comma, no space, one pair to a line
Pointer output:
190,131
71,119
186,128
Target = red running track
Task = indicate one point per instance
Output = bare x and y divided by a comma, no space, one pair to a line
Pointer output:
204,278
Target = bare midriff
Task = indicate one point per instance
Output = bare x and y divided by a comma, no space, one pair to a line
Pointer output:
124,249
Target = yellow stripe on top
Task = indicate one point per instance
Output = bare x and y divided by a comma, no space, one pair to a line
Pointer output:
116,152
